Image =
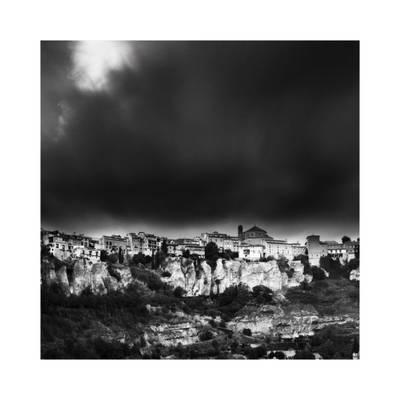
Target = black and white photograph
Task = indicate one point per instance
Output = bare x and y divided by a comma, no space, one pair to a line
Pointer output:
200,200
189,193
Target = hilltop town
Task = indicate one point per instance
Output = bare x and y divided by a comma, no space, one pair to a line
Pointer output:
212,296
254,244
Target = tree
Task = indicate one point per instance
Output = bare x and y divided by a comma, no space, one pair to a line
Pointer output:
103,255
304,355
164,247
159,258
345,239
262,294
179,292
186,253
211,251
120,256
318,273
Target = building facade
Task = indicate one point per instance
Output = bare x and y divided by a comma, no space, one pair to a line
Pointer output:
344,251
272,247
113,243
223,241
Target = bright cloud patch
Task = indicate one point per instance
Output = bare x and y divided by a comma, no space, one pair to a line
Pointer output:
93,60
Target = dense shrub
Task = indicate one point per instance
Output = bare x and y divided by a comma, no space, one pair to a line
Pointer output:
179,292
256,352
239,293
90,349
262,294
205,335
246,331
279,355
112,258
150,278
304,355
317,273
333,266
283,264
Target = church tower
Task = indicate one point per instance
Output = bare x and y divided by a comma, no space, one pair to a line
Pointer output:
240,232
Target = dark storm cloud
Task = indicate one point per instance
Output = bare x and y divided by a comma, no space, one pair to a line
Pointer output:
204,131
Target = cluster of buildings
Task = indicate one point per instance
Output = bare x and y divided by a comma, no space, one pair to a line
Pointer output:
345,251
64,245
253,244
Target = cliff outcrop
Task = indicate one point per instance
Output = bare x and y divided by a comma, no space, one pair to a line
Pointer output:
80,275
201,279
285,321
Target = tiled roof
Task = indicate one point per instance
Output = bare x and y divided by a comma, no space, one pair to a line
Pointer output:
256,229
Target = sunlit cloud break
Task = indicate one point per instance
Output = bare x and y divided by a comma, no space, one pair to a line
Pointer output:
93,60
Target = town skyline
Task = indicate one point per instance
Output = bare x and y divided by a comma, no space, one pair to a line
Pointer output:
191,233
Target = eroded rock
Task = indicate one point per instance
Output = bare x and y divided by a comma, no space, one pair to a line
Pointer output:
202,280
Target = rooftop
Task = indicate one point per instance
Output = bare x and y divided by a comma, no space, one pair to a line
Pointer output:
256,229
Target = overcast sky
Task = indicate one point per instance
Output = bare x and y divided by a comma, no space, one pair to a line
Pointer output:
178,138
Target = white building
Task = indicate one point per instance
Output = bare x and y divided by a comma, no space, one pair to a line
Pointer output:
222,240
272,247
251,252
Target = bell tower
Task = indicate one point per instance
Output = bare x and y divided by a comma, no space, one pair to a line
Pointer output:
240,232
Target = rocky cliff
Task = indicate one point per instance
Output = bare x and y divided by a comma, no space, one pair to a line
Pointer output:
202,280
285,321
80,275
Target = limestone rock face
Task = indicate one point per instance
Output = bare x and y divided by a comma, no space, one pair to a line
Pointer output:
189,273
202,286
177,277
201,280
48,273
298,274
262,273
53,273
62,280
286,322
99,278
172,334
81,277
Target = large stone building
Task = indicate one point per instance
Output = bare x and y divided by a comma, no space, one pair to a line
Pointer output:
271,247
145,243
66,246
222,240
150,243
344,251
251,252
113,243
177,247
